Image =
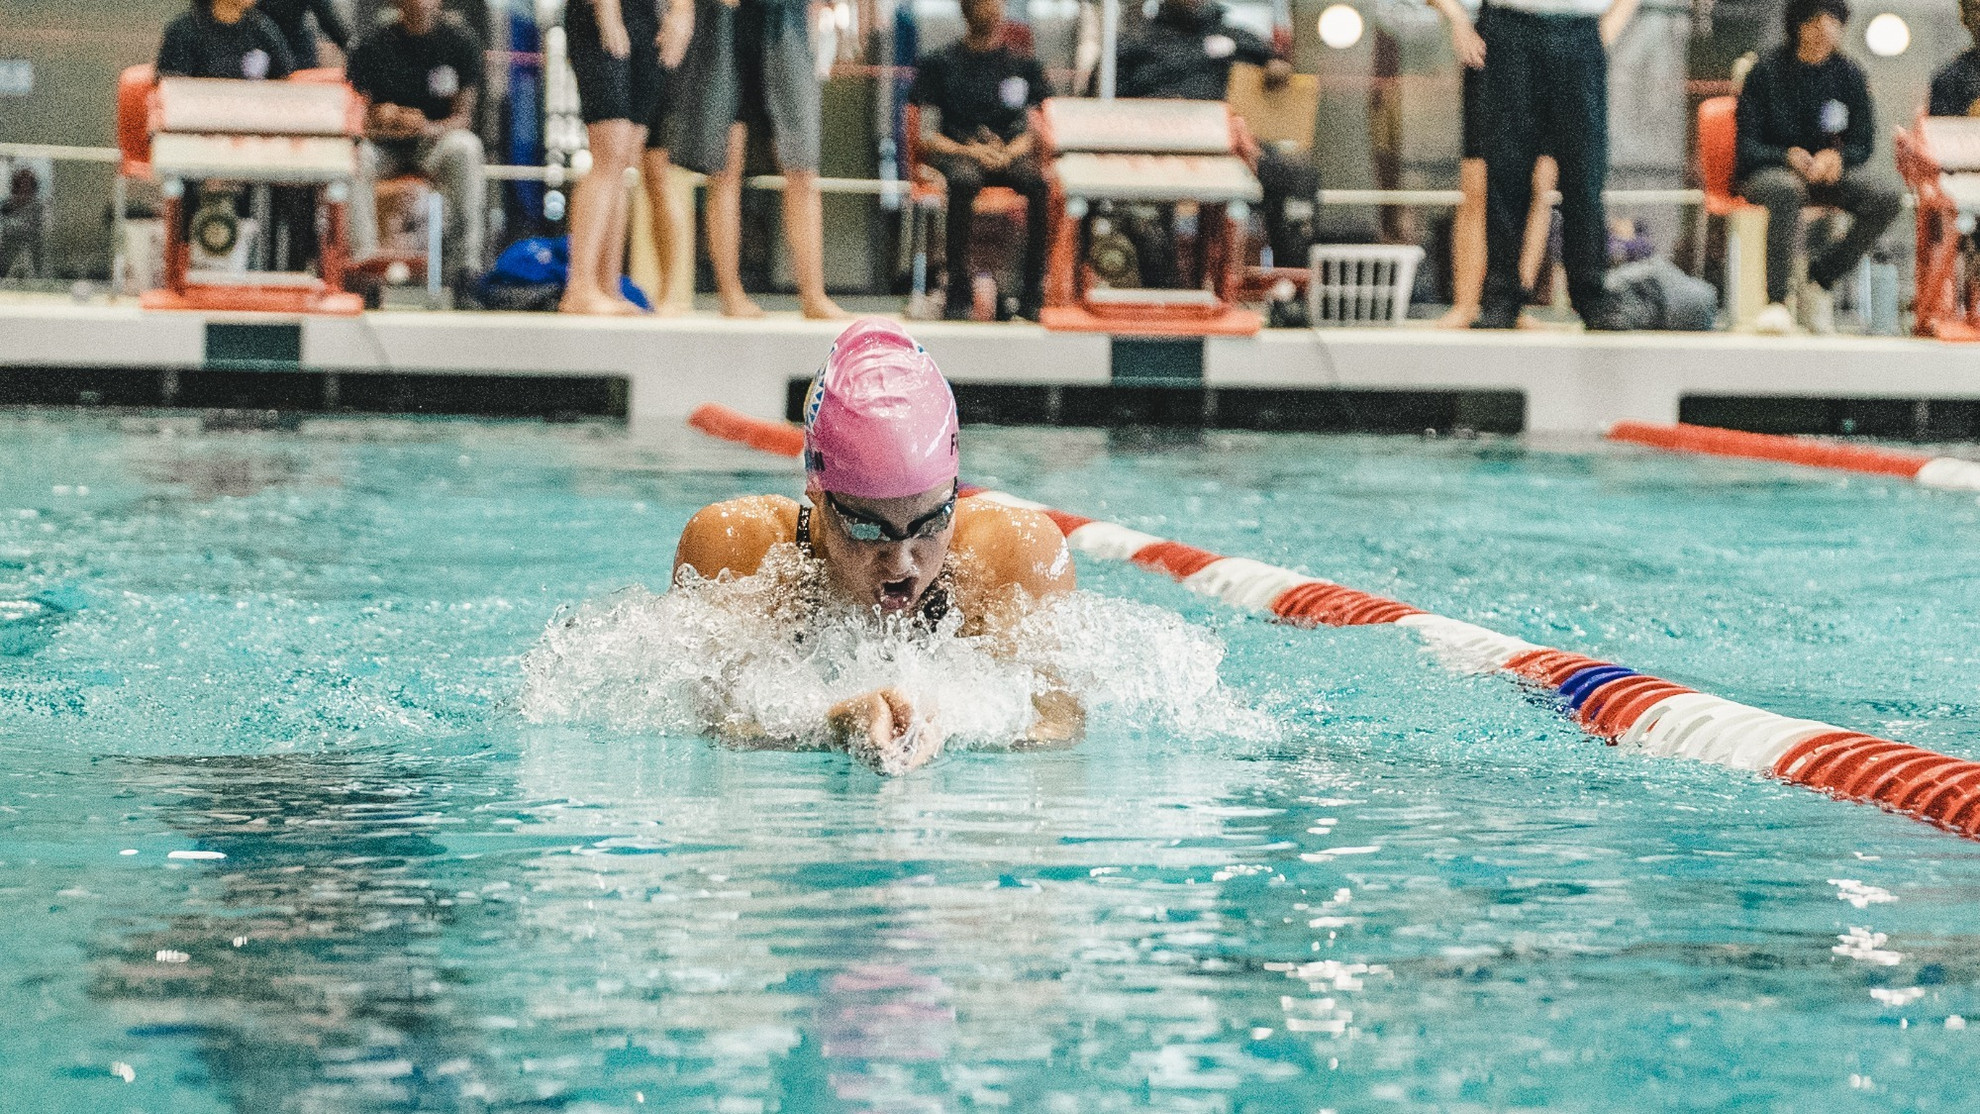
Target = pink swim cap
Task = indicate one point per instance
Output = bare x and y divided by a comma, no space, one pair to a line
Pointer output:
879,421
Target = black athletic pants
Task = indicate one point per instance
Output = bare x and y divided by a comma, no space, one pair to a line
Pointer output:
966,178
1546,87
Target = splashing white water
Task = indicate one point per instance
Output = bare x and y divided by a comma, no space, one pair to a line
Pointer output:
723,657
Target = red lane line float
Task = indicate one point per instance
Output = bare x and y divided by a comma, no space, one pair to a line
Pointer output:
1767,446
1178,560
780,438
1609,701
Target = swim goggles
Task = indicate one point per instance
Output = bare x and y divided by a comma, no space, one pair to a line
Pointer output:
872,531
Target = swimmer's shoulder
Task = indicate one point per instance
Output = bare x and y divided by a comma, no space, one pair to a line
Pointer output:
735,534
1013,546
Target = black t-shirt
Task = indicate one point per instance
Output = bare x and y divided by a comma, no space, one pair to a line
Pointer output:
197,45
1956,89
418,71
291,17
979,89
1186,54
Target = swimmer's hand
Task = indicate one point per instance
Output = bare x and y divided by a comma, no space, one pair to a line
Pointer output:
881,730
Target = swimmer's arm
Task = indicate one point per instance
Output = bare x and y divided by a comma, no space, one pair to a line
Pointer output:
1025,561
733,536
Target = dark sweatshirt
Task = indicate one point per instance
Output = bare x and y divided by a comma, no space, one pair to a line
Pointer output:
1784,104
1956,88
292,16
1186,53
197,45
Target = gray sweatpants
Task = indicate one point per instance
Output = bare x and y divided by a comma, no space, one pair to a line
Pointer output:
453,163
1871,202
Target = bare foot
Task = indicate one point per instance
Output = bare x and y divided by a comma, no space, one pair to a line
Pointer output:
1459,317
822,308
1529,322
740,306
628,308
594,302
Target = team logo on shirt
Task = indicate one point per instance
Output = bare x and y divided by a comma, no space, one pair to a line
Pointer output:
442,81
1835,117
1013,91
254,64
1219,46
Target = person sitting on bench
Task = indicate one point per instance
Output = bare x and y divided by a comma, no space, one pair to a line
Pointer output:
421,77
1806,134
1186,52
983,91
229,39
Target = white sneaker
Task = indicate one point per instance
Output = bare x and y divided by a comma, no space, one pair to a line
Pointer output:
1818,310
1774,321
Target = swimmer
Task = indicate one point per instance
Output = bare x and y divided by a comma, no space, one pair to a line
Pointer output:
884,524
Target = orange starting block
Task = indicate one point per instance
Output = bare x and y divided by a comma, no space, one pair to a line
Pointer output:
298,132
1940,160
1159,151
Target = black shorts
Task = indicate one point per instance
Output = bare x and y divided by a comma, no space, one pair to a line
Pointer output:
630,88
751,33
1475,130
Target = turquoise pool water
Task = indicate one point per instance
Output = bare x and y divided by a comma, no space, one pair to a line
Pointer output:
305,651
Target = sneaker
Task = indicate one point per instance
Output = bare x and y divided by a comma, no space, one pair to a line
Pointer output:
1818,309
1774,321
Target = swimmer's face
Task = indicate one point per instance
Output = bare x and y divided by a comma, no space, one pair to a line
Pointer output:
890,573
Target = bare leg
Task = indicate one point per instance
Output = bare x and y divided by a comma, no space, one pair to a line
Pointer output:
592,205
666,228
612,259
804,226
1539,226
1540,221
725,229
1467,248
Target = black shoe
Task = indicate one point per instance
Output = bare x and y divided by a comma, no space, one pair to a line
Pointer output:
1606,318
1502,315
964,312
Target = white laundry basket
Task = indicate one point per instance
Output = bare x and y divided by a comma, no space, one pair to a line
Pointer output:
1361,284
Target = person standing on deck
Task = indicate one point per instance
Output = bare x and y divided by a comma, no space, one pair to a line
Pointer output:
1546,88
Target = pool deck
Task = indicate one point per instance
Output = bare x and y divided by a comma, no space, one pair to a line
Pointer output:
1573,383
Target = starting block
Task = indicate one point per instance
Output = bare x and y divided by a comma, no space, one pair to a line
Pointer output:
1940,161
1145,151
295,132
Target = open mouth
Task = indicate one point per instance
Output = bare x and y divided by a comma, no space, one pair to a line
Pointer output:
897,595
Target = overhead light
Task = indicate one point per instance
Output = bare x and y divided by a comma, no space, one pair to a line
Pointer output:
1340,26
1887,36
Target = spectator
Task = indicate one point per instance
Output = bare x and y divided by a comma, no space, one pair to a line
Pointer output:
982,91
676,28
1468,224
1546,87
749,71
224,38
1187,51
1806,132
23,219
291,17
420,77
615,54
229,39
1956,87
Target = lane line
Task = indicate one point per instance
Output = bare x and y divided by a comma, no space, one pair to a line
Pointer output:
1614,703
1944,472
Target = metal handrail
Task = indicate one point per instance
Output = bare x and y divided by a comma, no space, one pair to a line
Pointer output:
880,187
